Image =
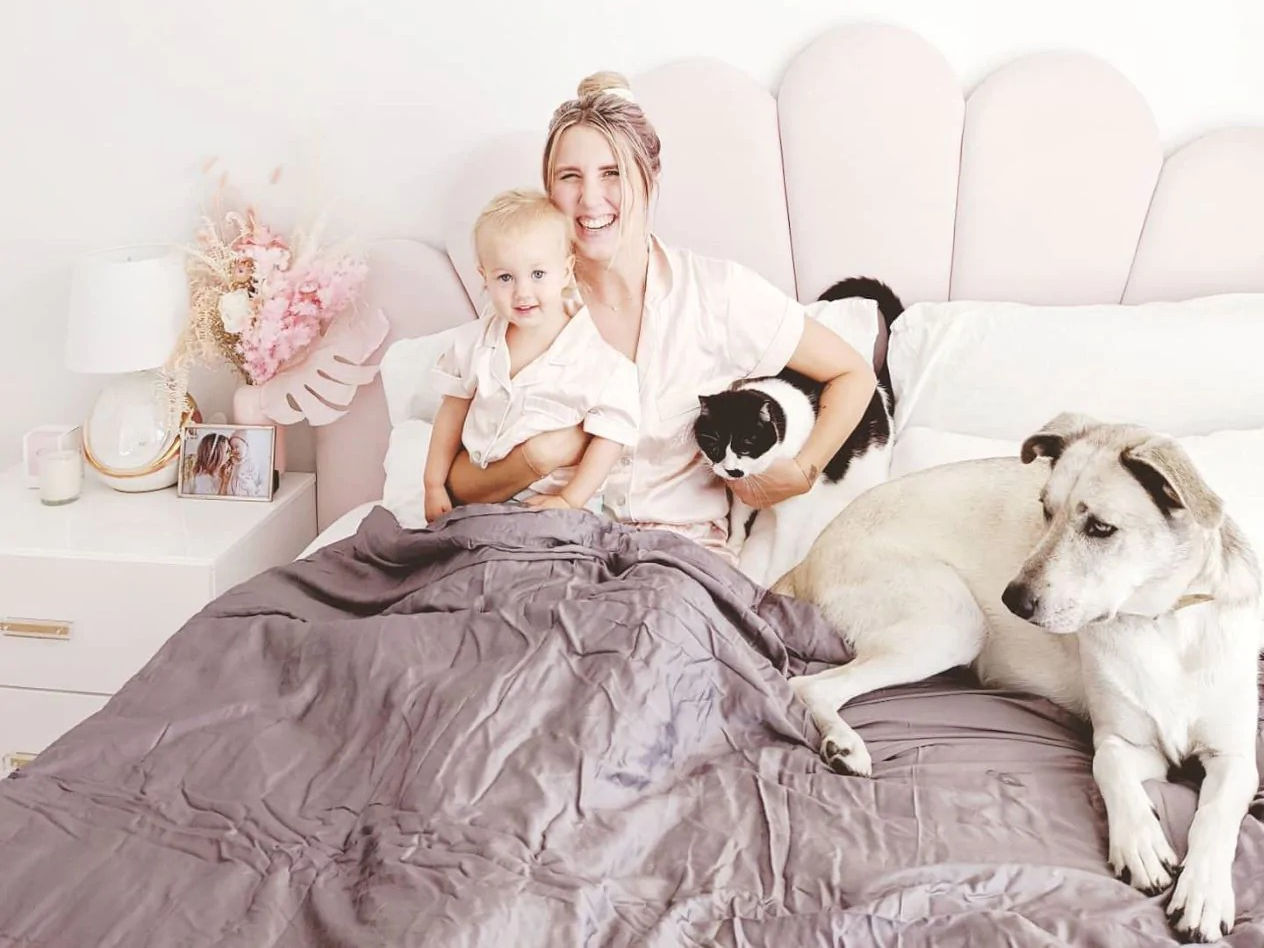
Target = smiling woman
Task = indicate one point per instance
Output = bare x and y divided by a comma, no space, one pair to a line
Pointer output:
692,325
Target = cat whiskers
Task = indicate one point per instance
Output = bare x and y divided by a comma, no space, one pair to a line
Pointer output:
757,487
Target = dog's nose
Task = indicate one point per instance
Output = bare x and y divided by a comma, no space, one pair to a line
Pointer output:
1019,600
733,471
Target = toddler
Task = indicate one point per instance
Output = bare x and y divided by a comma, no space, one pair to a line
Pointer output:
527,366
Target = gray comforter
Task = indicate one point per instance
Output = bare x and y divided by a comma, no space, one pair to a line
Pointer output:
546,729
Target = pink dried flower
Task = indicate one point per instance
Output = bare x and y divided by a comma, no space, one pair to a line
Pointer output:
267,309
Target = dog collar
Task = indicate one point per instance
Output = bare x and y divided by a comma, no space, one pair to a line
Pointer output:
1192,599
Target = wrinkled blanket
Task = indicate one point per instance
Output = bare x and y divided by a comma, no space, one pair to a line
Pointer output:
541,728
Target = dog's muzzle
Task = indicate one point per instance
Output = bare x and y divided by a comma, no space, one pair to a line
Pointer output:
1019,600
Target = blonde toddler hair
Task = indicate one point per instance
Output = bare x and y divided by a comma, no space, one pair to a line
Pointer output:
514,212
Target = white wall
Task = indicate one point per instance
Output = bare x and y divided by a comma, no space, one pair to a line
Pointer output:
111,111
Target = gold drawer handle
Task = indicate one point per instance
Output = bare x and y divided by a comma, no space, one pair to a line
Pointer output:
37,628
16,761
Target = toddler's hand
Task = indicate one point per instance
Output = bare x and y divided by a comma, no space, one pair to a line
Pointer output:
437,503
546,502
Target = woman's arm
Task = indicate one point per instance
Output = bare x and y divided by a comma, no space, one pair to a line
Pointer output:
520,468
849,384
598,459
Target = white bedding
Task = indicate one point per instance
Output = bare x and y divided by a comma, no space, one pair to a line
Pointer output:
340,529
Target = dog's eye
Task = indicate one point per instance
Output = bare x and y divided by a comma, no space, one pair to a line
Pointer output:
1044,509
1098,528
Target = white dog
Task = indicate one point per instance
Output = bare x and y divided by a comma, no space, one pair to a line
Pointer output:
1118,548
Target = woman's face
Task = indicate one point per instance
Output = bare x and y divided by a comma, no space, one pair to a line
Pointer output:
587,188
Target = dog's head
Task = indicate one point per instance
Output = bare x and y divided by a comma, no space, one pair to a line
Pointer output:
1127,517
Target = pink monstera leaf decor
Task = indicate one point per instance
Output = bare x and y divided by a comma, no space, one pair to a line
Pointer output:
320,388
283,311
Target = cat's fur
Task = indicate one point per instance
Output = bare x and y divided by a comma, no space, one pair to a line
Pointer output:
743,430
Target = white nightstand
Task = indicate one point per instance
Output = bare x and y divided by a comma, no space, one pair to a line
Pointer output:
89,591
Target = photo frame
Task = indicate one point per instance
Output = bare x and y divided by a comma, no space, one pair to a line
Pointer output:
227,462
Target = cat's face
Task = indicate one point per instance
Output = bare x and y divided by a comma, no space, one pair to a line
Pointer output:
736,432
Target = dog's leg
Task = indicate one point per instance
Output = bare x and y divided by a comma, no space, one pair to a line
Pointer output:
906,618
1202,906
825,692
1139,850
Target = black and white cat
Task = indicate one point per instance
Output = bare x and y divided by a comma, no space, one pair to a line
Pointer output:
744,429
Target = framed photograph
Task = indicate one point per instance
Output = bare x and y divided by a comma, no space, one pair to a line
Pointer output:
227,462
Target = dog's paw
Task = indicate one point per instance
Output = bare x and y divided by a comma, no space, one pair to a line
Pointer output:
846,754
1141,855
1202,905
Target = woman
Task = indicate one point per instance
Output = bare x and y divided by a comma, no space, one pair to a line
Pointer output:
691,324
210,467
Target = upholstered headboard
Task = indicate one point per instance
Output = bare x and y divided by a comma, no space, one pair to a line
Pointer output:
1046,184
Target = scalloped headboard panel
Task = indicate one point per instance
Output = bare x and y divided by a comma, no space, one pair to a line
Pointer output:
1047,184
722,192
417,288
870,134
1205,231
1058,161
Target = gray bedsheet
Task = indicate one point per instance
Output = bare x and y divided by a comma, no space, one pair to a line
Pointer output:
546,729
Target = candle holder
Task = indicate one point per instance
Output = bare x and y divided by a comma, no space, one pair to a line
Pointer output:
60,476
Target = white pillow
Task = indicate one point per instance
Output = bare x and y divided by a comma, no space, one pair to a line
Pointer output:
411,404
403,493
405,369
1228,461
854,318
918,448
1001,370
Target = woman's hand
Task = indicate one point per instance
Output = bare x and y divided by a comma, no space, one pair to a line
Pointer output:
784,478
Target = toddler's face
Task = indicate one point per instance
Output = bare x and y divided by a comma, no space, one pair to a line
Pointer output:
525,274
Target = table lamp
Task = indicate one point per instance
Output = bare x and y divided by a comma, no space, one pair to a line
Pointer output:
128,307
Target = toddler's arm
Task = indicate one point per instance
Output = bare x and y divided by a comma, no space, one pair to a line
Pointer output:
445,442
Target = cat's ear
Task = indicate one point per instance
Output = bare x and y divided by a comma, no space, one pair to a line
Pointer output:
764,414
705,402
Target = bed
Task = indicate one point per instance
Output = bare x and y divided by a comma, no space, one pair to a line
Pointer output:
549,729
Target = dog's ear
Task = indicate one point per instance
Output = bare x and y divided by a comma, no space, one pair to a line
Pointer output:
1051,440
1169,476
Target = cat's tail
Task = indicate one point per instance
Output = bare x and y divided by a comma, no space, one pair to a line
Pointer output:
889,306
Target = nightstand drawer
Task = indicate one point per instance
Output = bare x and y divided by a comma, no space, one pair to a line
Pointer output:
89,625
31,720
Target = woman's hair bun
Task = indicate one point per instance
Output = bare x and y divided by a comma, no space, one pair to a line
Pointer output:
605,82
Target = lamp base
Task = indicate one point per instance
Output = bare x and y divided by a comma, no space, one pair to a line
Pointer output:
129,440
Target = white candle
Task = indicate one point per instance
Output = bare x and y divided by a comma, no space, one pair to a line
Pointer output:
60,476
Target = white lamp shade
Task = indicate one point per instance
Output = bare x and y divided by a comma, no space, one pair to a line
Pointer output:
127,308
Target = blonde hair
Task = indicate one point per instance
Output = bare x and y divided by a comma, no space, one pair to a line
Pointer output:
211,452
512,212
605,103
